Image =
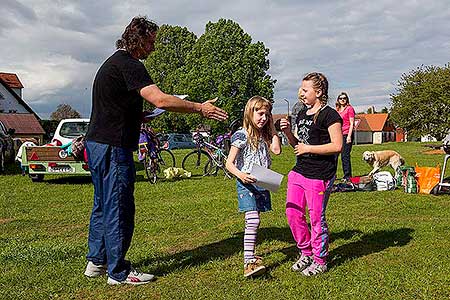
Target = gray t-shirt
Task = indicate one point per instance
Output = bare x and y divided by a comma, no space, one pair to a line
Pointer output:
247,155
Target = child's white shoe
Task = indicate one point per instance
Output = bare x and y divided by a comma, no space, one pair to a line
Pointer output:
302,263
314,269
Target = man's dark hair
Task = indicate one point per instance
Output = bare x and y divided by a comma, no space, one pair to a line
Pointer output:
134,37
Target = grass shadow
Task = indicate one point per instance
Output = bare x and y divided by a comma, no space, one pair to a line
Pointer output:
139,166
11,169
70,179
344,235
194,257
367,244
370,243
218,250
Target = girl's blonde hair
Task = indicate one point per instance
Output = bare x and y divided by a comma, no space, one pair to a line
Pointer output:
254,134
338,104
320,83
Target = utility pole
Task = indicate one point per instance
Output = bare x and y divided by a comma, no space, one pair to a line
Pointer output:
289,110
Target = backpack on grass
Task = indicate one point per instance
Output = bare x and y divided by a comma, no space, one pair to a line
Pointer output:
384,181
409,181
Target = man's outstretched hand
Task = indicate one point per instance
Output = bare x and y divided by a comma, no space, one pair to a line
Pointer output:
213,112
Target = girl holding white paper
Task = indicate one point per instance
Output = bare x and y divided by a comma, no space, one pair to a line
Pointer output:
251,145
311,179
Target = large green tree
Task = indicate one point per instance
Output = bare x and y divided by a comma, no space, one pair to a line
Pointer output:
222,63
421,105
172,45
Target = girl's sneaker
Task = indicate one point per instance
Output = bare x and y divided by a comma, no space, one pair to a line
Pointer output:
254,267
314,269
302,263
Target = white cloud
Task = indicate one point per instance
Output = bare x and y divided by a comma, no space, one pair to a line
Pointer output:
362,46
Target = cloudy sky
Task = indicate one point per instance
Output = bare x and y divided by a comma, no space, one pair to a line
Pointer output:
55,47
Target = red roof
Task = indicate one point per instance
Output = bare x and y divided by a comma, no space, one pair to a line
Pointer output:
11,80
363,125
372,122
22,123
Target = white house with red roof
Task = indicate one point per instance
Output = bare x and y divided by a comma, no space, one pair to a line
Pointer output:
374,129
15,112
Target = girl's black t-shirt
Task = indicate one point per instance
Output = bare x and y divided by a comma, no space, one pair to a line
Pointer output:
116,102
315,166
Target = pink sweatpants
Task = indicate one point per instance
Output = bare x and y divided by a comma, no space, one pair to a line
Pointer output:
314,193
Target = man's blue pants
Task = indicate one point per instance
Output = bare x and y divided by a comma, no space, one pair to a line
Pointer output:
112,219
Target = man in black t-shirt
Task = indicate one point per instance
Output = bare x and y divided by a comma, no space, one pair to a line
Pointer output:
119,86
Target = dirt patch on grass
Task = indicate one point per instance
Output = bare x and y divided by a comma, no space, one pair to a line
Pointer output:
4,221
434,151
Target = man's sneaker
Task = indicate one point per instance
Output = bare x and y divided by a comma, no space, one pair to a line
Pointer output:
302,263
135,277
93,270
254,267
314,269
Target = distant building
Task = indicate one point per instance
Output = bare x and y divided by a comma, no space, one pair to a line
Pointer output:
15,113
374,129
400,135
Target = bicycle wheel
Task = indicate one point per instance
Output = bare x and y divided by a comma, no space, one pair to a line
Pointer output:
150,169
166,159
196,162
212,168
209,168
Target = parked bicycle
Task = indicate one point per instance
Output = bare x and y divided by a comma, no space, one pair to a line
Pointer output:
206,159
154,156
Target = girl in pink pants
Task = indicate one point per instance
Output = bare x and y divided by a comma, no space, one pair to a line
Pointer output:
309,183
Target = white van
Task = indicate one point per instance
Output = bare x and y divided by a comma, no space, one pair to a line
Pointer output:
68,129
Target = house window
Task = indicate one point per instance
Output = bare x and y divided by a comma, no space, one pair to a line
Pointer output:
13,111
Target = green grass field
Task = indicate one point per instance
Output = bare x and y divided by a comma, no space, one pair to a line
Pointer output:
384,245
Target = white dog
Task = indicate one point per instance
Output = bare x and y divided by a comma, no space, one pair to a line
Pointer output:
379,159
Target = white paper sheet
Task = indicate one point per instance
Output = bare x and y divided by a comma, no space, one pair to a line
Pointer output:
154,113
266,178
181,96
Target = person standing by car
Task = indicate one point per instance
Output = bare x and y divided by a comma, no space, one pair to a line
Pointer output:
347,114
119,86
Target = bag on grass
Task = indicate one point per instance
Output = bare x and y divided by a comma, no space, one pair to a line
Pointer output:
427,178
366,186
343,187
409,181
363,183
399,176
172,172
384,181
